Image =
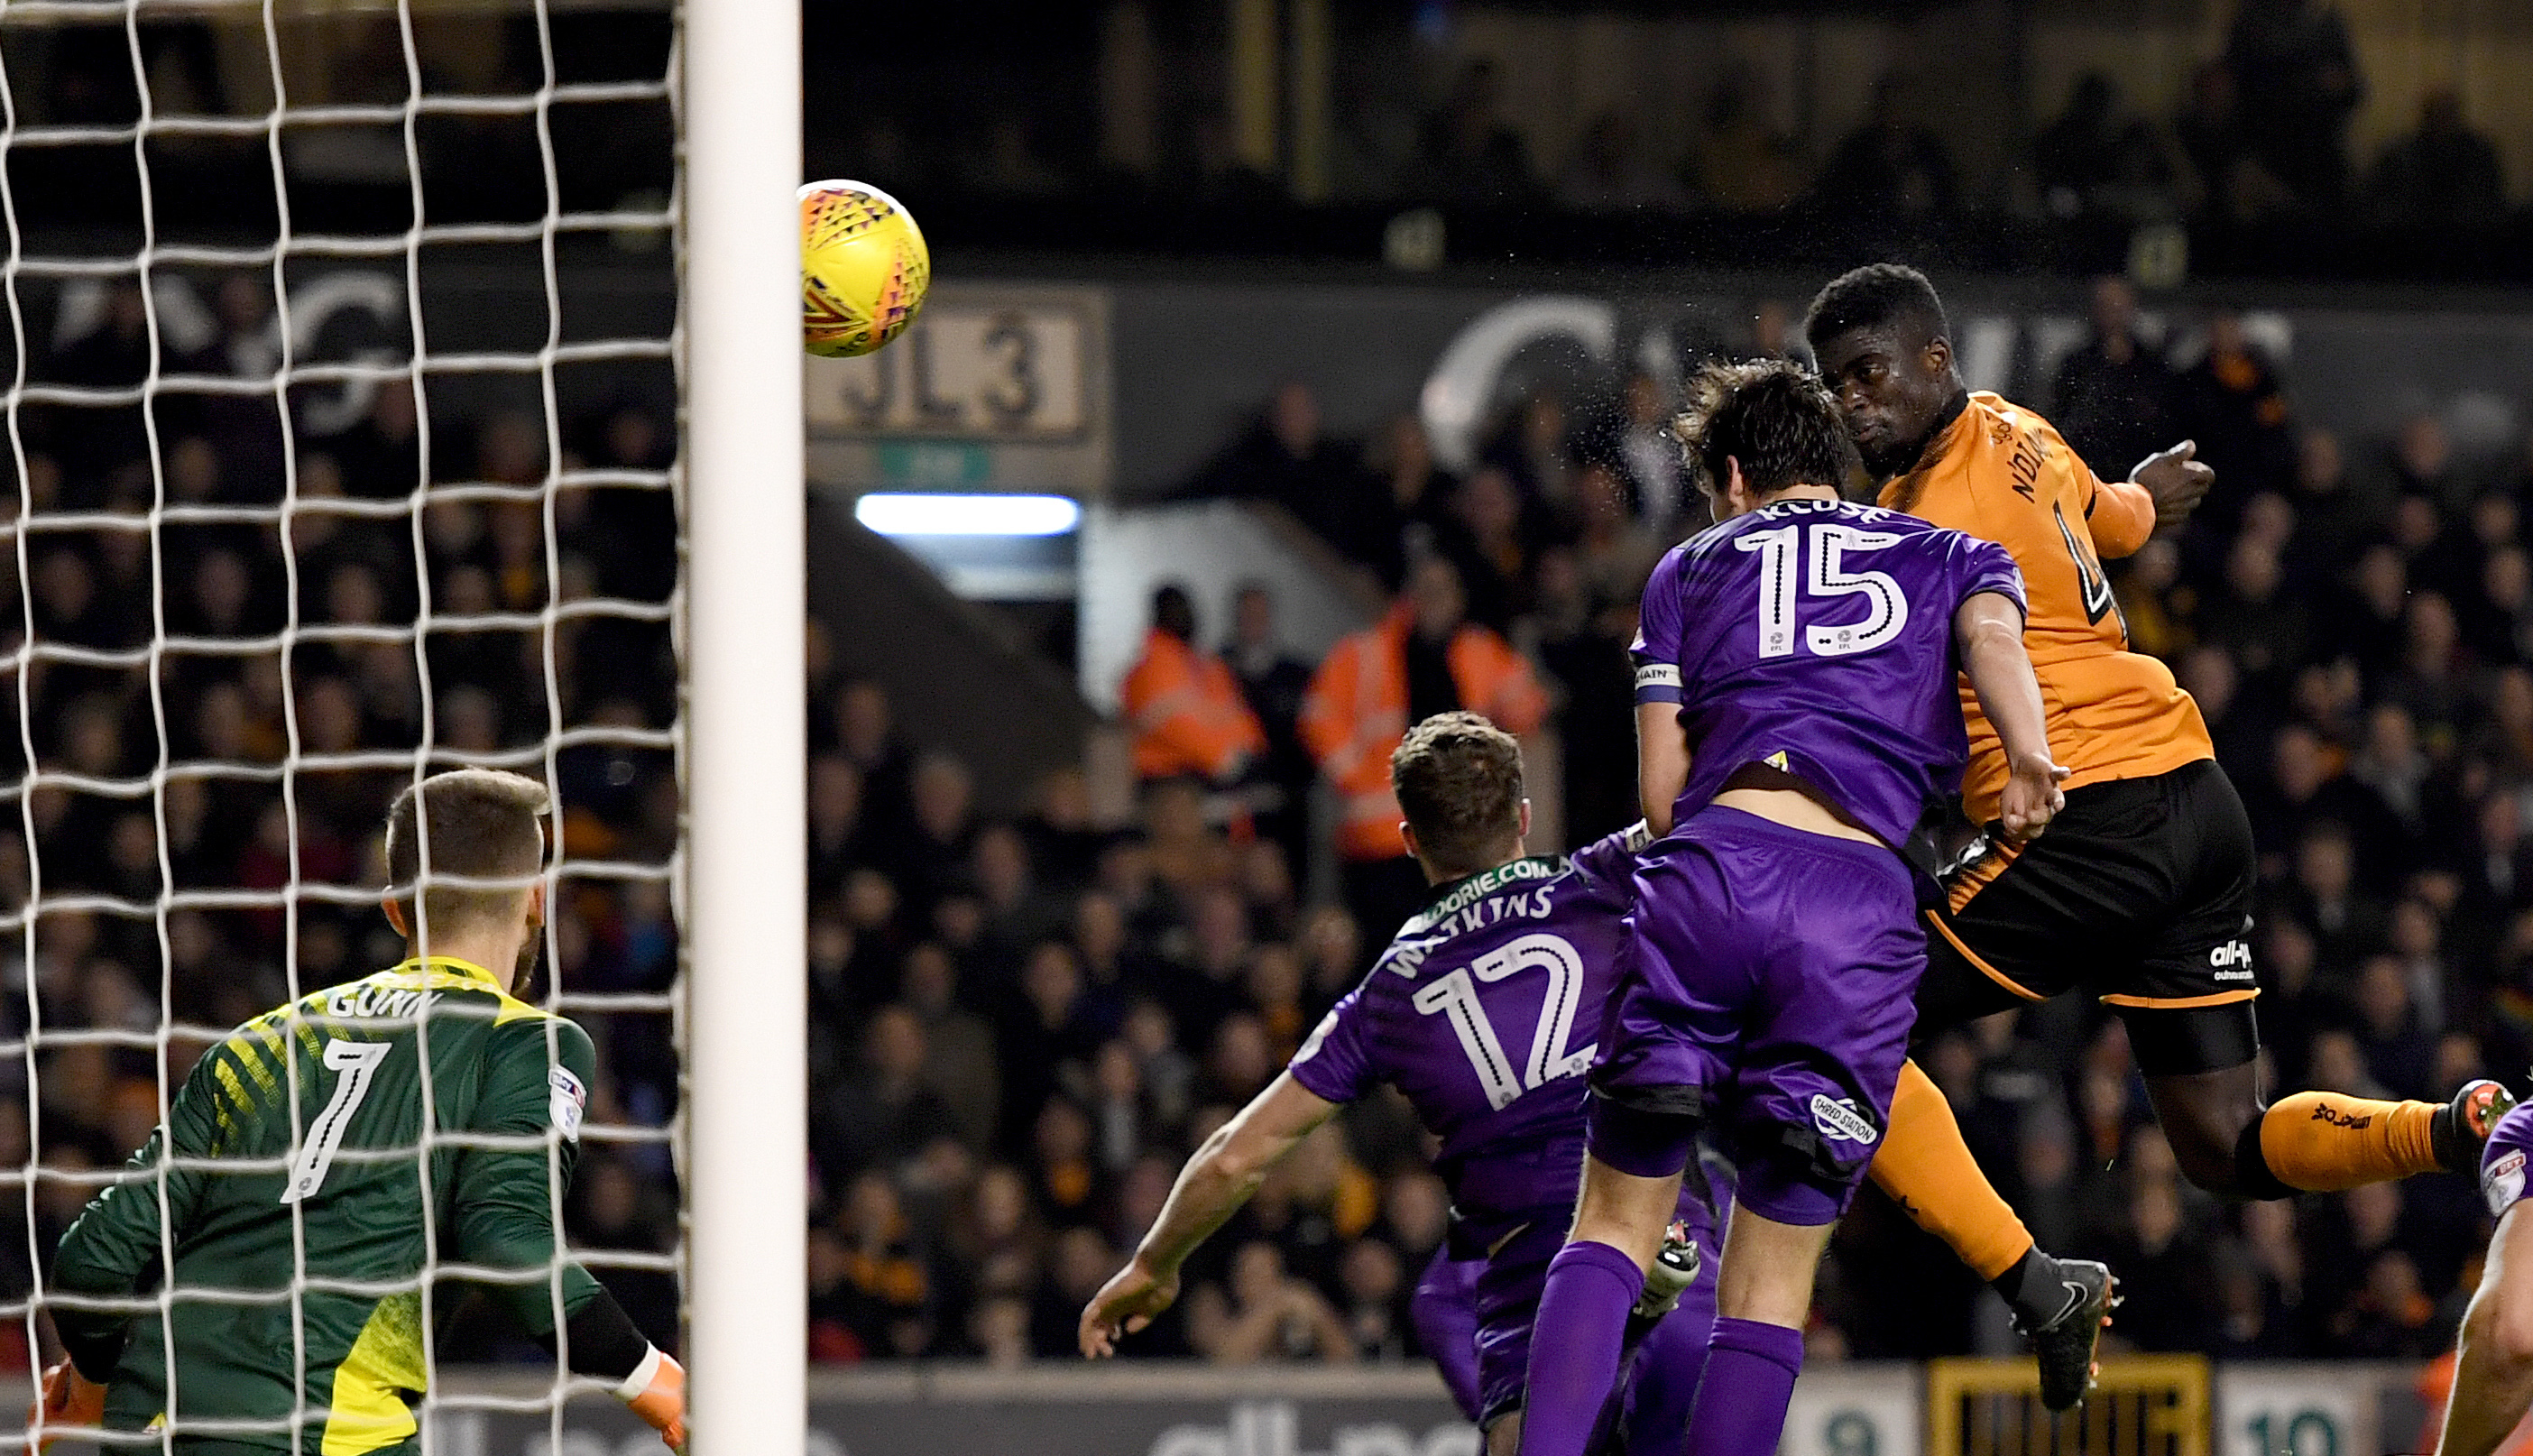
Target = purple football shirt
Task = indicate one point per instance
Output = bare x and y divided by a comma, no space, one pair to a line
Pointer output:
1816,637
1484,1011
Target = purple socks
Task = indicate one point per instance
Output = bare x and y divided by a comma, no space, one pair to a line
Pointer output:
1750,1371
1664,1379
1575,1352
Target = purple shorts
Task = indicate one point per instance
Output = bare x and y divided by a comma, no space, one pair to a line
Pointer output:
1769,999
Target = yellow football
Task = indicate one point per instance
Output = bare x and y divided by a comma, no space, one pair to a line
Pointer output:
864,269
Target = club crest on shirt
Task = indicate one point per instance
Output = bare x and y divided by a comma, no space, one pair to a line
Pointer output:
1840,1122
2502,1182
568,1100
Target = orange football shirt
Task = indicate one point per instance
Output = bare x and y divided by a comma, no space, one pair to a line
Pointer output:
2000,472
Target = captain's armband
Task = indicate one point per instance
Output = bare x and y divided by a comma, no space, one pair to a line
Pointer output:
1657,681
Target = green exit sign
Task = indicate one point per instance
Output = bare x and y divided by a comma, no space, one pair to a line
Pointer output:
935,463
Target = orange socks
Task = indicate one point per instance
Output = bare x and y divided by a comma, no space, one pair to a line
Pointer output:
1928,1171
2324,1142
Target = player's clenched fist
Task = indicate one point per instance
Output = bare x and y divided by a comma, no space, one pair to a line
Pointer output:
69,1399
2032,795
1124,1304
2177,481
656,1392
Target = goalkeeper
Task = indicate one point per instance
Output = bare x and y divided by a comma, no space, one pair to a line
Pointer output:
295,1314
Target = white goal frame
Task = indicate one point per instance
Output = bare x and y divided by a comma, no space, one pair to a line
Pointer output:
746,905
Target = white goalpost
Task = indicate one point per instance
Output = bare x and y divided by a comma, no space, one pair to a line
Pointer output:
249,594
746,887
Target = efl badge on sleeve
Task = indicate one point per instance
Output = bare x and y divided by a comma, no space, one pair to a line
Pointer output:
2502,1182
569,1102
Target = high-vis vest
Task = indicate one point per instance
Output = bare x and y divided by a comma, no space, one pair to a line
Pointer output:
1356,713
1187,713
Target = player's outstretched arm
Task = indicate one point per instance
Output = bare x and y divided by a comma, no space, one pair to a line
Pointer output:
1662,763
1212,1185
2493,1375
504,1200
1988,630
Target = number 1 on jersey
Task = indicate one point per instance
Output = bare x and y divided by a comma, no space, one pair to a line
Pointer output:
1456,996
358,1061
1828,576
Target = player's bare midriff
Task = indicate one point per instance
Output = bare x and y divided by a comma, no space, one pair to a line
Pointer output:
1793,810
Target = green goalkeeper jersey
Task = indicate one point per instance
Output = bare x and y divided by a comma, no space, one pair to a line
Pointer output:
300,1228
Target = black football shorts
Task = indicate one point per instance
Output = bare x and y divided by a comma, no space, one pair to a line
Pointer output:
2138,893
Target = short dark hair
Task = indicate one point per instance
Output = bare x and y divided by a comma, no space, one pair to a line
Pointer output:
1458,780
1874,295
483,824
1770,415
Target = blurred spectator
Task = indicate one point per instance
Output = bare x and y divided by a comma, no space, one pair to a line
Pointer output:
960,1064
1398,510
2444,174
2236,410
1285,459
2115,395
1889,165
2263,627
2332,520
1425,658
929,858
2398,1049
1488,538
2420,466
1273,684
1609,172
864,732
1737,158
1184,706
1268,1316
2076,153
1464,152
2176,1306
886,1114
2233,184
1651,456
1535,446
2297,73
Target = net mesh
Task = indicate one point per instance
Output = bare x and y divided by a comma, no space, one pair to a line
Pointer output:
340,406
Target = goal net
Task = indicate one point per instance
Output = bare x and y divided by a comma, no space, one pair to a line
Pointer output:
343,410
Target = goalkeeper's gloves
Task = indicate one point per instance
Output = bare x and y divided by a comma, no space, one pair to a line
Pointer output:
69,1399
656,1392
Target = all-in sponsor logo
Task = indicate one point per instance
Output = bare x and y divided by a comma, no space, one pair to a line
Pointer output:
2323,1112
1840,1121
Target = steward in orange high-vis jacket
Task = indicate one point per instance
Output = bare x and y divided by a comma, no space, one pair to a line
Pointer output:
1424,657
1183,705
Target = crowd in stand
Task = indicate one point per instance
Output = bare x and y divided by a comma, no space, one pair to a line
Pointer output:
2262,132
1025,1026
283,635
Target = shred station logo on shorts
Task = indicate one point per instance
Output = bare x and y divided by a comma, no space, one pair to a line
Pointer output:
1838,1119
